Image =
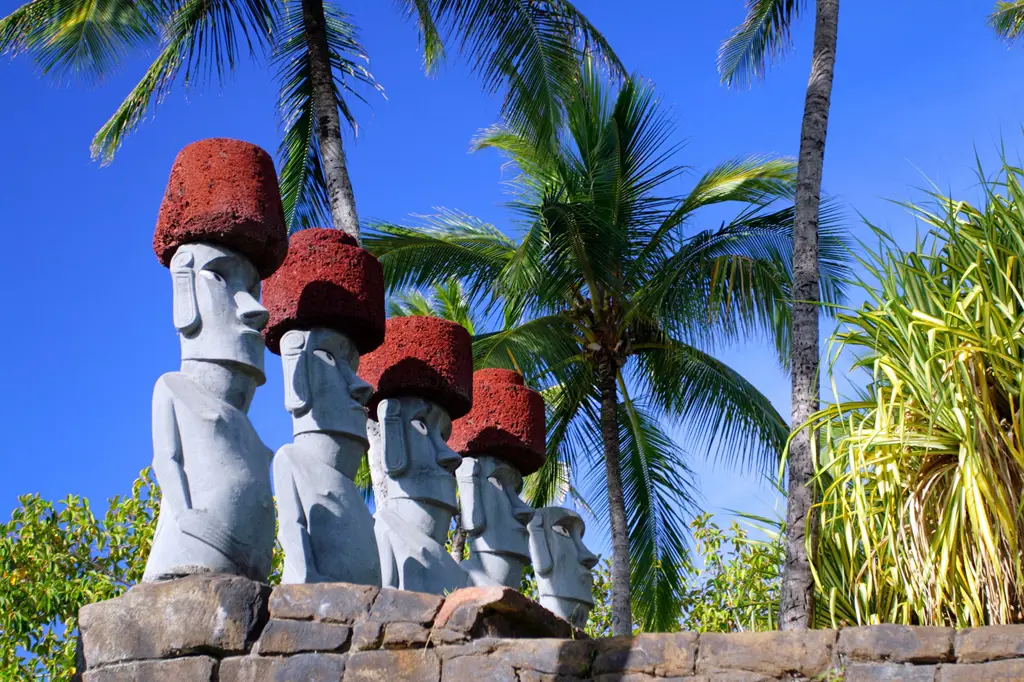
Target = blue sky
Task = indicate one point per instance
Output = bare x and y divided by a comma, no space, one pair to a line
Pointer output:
919,87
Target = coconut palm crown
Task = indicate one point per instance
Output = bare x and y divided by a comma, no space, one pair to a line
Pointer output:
612,302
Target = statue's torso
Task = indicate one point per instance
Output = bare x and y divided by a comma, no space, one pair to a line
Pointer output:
340,526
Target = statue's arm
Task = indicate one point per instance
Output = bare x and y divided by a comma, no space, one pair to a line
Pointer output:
293,527
168,460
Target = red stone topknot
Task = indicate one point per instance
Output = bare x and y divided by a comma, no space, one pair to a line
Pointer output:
224,192
507,421
422,356
327,280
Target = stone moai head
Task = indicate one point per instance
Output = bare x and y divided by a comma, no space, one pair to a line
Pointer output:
501,441
326,308
562,564
422,379
220,231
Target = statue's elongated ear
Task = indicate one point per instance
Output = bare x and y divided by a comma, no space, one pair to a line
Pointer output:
183,282
296,372
392,436
540,543
470,496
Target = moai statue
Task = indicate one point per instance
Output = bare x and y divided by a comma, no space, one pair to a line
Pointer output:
562,564
326,308
220,231
500,440
423,379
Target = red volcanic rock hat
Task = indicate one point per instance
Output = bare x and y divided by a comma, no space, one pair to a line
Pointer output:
327,280
422,356
224,192
507,421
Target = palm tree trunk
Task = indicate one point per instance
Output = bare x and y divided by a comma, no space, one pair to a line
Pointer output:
328,120
796,608
459,539
622,614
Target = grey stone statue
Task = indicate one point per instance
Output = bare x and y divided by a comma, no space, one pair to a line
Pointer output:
412,467
217,510
326,530
494,519
562,564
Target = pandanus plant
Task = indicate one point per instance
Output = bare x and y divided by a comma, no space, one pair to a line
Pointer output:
922,476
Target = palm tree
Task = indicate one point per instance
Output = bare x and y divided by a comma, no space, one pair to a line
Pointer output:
528,47
610,302
765,35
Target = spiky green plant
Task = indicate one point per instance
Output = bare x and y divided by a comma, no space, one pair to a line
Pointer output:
922,476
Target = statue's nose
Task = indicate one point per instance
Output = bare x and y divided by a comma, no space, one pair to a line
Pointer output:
448,458
522,512
360,390
587,558
251,312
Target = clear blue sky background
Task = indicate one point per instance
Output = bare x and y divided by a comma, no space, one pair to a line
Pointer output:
919,85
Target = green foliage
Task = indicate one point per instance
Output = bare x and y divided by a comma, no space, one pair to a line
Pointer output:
55,558
737,584
611,274
1008,19
762,38
922,474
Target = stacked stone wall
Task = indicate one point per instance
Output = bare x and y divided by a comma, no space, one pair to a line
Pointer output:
229,629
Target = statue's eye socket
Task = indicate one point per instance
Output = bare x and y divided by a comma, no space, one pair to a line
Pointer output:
419,426
210,274
560,530
325,356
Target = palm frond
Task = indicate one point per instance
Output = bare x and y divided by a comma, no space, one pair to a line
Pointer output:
201,38
713,403
763,37
529,49
447,301
446,245
430,36
1008,20
89,38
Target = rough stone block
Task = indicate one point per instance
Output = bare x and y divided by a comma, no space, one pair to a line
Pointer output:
329,602
297,636
991,643
769,653
199,614
665,655
366,635
476,669
304,668
898,643
994,671
534,676
499,612
444,636
190,669
394,606
552,656
393,666
405,636
889,672
731,676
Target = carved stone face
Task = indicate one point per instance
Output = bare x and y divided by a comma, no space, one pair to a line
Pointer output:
492,512
562,563
216,307
322,391
409,450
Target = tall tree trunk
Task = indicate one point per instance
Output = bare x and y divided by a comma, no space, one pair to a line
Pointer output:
458,539
622,613
328,120
796,608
